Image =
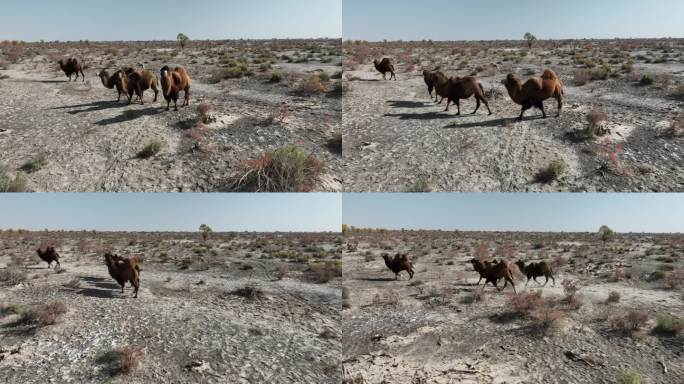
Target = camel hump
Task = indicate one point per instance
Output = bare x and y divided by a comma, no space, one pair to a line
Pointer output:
532,85
549,75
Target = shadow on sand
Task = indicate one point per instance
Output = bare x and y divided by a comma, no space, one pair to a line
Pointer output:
130,114
420,116
407,104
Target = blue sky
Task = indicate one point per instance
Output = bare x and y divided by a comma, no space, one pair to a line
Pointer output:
172,212
33,20
375,20
569,212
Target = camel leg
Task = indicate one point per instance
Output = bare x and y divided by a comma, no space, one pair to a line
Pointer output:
525,107
540,105
394,75
383,76
82,76
447,107
441,98
535,280
553,279
175,104
458,107
512,284
156,92
486,105
187,97
560,105
477,105
527,282
546,281
478,282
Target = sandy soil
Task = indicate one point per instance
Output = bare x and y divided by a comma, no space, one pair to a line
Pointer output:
186,315
395,137
440,327
90,141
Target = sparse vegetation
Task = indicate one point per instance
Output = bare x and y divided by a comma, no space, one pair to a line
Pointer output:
150,150
288,169
552,172
35,164
668,324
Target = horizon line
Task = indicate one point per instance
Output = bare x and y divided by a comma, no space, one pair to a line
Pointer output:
365,229
513,39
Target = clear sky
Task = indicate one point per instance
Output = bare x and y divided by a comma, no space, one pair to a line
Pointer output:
303,212
97,20
569,212
375,20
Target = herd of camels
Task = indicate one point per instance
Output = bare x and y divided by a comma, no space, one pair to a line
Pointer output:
531,93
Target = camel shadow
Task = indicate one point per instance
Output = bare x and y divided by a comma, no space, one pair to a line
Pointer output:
130,114
101,282
46,81
485,124
407,104
92,107
99,293
419,116
377,279
365,80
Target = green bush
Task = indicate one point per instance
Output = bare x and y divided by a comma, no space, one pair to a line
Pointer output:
669,324
150,150
552,172
646,79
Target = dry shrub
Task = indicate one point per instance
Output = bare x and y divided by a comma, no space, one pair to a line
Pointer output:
668,324
582,77
288,169
613,297
12,276
283,271
11,184
675,279
311,86
570,290
197,135
629,323
676,129
324,272
473,297
545,317
49,313
249,292
524,303
560,261
132,358
596,120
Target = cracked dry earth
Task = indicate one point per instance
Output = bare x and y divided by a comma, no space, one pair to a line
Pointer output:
91,141
394,136
192,328
427,331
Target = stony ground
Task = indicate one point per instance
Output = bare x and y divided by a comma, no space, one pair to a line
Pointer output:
396,139
440,327
89,141
188,320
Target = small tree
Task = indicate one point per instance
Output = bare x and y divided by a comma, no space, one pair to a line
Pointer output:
530,39
605,233
182,40
206,231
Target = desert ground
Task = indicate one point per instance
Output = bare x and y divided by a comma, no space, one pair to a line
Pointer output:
616,311
621,128
236,308
248,99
